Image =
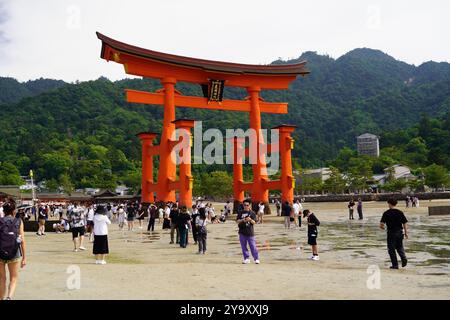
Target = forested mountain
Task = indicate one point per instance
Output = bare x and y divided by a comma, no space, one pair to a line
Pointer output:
13,91
84,133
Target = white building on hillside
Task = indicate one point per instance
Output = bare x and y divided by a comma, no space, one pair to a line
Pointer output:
368,144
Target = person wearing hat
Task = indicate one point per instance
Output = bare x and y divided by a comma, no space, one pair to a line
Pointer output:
313,223
101,222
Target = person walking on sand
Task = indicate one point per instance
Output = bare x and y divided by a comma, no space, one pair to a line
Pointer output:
142,213
153,212
278,206
195,214
77,226
246,220
101,222
359,209
42,218
351,207
131,213
183,224
297,206
260,212
121,217
313,232
173,217
90,222
286,212
397,228
12,249
201,222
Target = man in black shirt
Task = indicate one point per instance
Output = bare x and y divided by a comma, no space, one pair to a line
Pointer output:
313,223
396,228
245,220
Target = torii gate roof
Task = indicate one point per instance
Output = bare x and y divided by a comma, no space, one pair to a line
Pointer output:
144,62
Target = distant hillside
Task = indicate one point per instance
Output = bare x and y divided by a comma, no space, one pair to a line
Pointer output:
365,90
13,91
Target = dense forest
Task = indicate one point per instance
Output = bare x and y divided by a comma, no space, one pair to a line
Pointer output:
84,134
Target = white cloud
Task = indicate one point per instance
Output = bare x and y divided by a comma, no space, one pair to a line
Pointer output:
56,38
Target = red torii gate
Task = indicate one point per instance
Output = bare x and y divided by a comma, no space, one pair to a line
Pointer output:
169,69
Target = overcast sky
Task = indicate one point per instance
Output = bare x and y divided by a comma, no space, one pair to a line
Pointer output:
56,38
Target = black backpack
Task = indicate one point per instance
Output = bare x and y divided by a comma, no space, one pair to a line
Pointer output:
9,232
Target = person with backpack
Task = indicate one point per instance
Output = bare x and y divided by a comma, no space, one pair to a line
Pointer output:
12,249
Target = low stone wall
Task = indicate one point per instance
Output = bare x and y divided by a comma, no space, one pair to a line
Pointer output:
32,226
439,210
370,197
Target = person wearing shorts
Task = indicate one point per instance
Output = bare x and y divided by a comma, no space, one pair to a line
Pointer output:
12,264
77,225
131,213
142,213
313,223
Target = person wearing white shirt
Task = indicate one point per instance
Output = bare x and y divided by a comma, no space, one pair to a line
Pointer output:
101,222
297,206
260,212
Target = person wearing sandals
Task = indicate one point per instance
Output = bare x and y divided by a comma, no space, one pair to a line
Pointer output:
101,222
12,249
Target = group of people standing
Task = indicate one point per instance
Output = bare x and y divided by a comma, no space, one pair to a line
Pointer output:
291,213
351,208
412,202
180,221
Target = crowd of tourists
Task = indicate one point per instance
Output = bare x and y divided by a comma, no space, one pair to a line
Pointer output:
93,220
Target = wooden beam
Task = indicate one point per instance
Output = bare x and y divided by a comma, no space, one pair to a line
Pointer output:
143,97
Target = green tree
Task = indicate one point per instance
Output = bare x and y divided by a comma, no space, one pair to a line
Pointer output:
310,185
436,176
219,184
396,185
335,183
9,174
66,183
359,172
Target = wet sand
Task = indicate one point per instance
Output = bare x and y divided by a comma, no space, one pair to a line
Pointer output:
145,266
